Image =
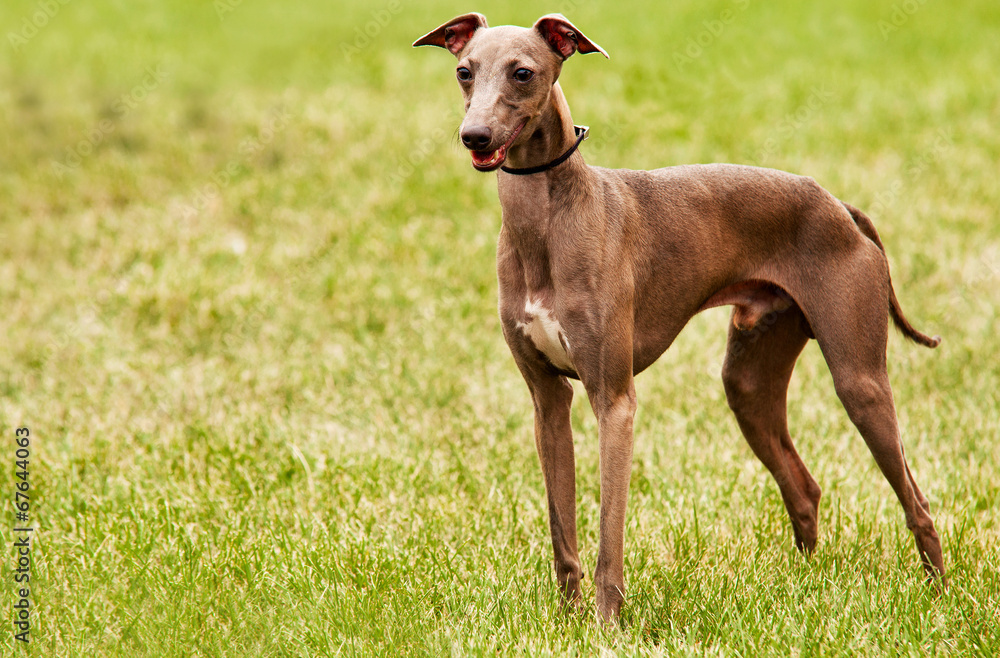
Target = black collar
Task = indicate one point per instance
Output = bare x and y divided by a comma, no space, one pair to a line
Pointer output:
581,134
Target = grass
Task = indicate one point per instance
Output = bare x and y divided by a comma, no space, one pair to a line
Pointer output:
249,315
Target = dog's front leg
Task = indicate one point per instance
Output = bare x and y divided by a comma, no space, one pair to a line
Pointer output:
611,391
552,396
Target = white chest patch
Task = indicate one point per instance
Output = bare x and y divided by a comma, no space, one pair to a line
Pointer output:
546,333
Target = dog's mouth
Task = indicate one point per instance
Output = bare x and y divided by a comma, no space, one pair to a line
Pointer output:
490,160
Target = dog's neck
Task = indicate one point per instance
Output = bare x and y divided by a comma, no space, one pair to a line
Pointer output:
528,201
552,135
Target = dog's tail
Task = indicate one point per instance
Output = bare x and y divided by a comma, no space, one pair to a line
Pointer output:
866,226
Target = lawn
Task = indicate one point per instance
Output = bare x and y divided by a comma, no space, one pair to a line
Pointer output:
248,314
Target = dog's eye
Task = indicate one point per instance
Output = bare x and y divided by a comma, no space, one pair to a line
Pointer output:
523,75
464,73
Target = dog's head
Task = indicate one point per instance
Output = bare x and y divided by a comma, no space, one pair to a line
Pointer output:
506,74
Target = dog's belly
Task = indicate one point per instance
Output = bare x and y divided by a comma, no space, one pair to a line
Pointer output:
547,335
752,299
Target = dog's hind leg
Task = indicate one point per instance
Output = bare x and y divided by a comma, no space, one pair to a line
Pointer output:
852,330
758,366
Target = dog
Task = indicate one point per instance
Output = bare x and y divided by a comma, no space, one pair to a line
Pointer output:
599,270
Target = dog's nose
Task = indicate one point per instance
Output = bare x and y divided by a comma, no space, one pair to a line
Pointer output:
477,138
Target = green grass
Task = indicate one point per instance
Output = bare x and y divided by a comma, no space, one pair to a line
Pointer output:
252,328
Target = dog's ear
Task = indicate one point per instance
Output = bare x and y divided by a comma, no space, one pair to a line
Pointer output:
454,34
563,37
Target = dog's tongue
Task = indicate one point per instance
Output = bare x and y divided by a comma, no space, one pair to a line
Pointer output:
489,158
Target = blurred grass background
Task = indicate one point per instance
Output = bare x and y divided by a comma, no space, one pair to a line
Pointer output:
248,313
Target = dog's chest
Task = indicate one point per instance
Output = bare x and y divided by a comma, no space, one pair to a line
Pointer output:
543,329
